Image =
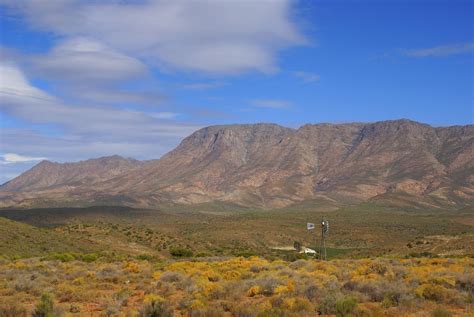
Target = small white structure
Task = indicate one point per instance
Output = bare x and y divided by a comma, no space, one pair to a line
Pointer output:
308,251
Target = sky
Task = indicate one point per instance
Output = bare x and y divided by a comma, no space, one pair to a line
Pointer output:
84,79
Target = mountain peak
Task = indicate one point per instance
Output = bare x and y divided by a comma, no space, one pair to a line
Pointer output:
47,174
271,165
45,163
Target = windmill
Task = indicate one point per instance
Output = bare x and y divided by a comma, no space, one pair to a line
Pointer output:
324,233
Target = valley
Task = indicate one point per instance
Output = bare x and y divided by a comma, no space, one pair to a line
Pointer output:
216,260
218,230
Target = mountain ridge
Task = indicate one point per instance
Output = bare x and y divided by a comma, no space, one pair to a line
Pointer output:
268,165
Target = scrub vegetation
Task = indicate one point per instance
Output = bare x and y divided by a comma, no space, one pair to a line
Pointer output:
237,286
217,262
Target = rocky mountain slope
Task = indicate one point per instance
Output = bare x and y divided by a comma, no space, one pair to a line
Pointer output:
396,162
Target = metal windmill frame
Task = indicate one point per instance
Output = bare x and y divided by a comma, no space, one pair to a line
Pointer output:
324,232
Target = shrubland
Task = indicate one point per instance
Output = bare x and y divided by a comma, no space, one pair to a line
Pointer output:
202,262
236,286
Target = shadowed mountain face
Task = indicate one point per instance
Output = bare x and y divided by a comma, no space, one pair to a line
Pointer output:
396,162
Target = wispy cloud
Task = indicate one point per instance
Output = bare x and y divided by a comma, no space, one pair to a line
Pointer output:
307,77
164,115
271,103
12,158
86,124
438,51
203,85
34,105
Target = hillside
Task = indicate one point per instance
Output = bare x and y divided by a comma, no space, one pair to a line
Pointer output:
395,162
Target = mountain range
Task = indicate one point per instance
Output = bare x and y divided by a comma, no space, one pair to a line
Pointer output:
399,162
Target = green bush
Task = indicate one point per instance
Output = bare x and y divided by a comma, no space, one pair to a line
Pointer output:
291,257
45,307
64,257
345,306
144,257
181,252
91,257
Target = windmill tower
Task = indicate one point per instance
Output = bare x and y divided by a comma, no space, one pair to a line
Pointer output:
324,233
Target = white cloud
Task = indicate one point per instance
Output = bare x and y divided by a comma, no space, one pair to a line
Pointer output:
307,77
271,103
438,51
10,158
85,60
90,71
205,35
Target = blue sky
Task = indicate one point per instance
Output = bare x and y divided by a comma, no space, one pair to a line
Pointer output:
82,79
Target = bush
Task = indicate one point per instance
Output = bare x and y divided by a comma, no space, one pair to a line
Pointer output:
390,300
292,256
64,257
311,292
24,284
213,311
297,304
12,309
465,282
244,310
377,267
328,305
345,306
271,312
155,306
145,257
89,258
181,252
45,307
432,292
268,285
441,312
373,292
171,277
